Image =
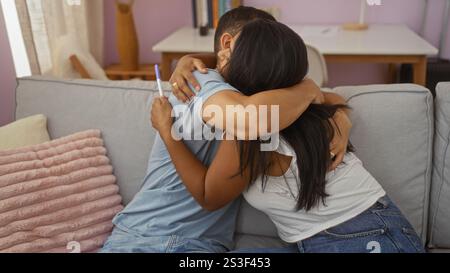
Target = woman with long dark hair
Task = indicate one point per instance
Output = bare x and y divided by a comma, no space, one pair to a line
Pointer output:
345,210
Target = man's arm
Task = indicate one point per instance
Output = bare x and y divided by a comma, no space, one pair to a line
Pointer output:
292,102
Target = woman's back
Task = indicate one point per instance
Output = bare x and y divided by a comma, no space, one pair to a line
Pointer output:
351,190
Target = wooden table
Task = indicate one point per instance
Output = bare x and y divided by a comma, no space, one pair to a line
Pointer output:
186,40
145,72
386,44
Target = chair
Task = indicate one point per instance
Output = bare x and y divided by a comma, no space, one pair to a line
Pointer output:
317,66
79,67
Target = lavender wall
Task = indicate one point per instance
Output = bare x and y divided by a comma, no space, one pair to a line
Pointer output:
7,77
407,12
156,19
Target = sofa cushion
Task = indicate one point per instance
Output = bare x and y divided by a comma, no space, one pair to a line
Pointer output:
246,241
24,132
119,109
439,227
254,222
55,193
393,129
393,135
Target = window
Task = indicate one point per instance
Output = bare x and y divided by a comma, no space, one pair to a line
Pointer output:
16,41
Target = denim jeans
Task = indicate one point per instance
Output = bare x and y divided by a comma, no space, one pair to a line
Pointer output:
126,242
380,229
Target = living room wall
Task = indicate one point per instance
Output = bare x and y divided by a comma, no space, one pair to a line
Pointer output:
154,19
7,77
158,18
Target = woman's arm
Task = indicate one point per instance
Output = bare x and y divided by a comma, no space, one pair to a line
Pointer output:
212,187
291,102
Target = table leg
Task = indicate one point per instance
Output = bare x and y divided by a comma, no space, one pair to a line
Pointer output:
392,76
420,71
166,63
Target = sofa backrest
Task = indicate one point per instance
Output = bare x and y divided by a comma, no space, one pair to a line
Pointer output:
393,135
439,224
393,131
119,109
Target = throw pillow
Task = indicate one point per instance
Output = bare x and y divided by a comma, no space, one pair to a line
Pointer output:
24,132
57,196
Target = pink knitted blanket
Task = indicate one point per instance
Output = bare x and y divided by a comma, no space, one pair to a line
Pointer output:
57,194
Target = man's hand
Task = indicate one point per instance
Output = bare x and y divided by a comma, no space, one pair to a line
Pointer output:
339,144
182,77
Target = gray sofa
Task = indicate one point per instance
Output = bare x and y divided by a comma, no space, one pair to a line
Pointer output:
401,134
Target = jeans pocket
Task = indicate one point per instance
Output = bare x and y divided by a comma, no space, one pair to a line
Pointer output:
352,235
363,225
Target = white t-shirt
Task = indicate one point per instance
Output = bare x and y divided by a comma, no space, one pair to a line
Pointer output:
351,189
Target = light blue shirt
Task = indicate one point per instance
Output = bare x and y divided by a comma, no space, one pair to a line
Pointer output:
164,207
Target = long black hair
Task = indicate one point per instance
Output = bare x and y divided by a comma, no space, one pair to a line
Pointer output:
269,55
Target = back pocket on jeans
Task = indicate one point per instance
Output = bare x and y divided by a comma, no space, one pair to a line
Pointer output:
365,224
352,235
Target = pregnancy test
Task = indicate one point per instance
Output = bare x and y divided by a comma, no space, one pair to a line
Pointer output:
158,80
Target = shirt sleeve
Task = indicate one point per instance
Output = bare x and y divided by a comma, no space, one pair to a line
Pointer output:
211,84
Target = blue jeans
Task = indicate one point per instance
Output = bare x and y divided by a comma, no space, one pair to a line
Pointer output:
125,242
380,229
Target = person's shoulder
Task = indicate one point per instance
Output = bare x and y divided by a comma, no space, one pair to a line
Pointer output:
211,83
212,76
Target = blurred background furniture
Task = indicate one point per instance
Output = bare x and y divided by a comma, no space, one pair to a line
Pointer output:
70,60
317,66
184,41
118,72
127,38
387,44
361,25
79,67
54,30
438,68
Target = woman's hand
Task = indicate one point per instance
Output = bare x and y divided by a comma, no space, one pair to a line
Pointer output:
161,115
339,145
182,77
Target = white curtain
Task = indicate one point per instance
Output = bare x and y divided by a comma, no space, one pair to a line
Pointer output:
45,22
